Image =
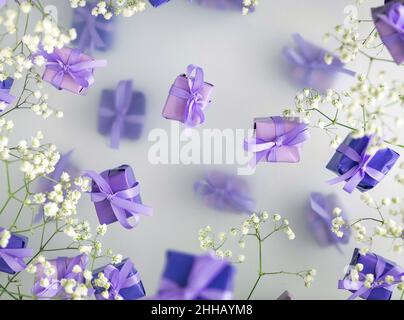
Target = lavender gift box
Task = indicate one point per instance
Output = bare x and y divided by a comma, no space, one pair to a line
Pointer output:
380,268
133,289
5,96
286,295
157,3
389,22
342,164
15,242
189,277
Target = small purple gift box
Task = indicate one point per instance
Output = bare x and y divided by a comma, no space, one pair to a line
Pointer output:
188,97
94,32
121,113
157,3
116,196
5,97
357,167
189,277
286,295
70,69
277,139
389,22
12,256
124,282
380,268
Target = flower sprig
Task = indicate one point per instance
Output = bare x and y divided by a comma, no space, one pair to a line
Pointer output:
109,8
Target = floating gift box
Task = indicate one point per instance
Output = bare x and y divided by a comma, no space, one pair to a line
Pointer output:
188,97
320,216
357,167
64,268
116,196
309,67
223,191
157,3
189,277
277,139
13,255
286,295
124,282
5,97
380,268
93,32
70,69
389,22
225,4
121,113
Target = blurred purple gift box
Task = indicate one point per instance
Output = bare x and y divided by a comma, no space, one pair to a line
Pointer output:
320,216
116,196
277,139
5,97
309,67
225,192
157,3
235,5
70,69
12,255
188,97
121,113
386,274
389,22
286,295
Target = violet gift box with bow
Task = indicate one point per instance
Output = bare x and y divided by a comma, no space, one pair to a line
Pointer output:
277,139
189,277
379,267
5,97
12,256
121,113
188,97
70,69
124,279
116,196
358,168
389,22
94,32
157,3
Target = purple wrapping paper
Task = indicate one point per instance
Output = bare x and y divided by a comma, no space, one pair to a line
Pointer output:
308,66
389,22
7,255
121,113
382,162
124,279
380,268
189,277
157,3
286,295
225,192
5,95
93,32
223,4
320,218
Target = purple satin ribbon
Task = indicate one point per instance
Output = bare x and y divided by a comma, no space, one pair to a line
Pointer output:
119,279
80,71
122,102
204,270
379,276
6,96
120,201
193,112
395,19
266,149
356,174
14,258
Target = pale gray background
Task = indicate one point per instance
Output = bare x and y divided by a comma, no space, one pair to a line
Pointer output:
241,56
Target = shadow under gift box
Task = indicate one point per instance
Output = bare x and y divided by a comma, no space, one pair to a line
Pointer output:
175,107
382,161
120,178
15,242
137,107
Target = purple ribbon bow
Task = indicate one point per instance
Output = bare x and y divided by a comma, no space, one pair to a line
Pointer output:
122,102
120,201
204,270
356,174
14,258
119,279
5,95
379,277
80,71
266,149
193,112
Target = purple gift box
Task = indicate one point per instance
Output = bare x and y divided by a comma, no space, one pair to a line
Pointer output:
188,97
157,3
389,22
116,196
286,295
124,279
5,97
189,277
379,267
121,113
94,32
224,4
277,139
12,256
358,168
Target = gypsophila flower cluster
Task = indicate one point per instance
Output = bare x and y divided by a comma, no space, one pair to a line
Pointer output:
248,6
108,9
